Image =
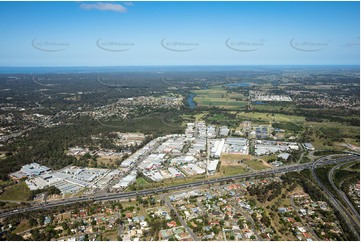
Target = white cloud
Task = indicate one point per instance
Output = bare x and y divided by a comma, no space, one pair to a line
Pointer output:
104,7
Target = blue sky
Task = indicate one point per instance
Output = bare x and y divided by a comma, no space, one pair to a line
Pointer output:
179,33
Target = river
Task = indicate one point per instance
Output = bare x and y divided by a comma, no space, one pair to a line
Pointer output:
190,101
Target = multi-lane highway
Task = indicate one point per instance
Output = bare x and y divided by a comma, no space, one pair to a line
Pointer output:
342,195
352,222
124,195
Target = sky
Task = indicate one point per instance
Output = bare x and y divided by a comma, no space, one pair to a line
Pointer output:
54,34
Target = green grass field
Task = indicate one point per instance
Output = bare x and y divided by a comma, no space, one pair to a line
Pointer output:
225,118
141,182
217,96
267,117
330,132
200,116
274,106
334,131
237,95
232,170
17,192
255,165
266,158
288,126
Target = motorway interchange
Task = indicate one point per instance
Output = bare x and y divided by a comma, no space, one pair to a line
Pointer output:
351,218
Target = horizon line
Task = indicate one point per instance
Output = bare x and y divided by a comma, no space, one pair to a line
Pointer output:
180,65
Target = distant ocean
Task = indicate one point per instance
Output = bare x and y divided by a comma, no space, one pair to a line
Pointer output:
38,70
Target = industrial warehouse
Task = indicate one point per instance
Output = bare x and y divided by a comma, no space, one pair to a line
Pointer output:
197,151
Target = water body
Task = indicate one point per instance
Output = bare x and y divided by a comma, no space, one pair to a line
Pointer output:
238,84
85,69
190,101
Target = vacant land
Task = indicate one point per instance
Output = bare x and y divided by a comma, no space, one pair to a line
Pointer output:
256,164
111,235
217,96
23,226
288,126
141,182
108,160
17,192
233,159
268,117
331,132
232,170
274,106
329,135
267,158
